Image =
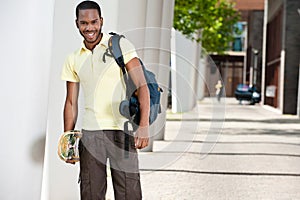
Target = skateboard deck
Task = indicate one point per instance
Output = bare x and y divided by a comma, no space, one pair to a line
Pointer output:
68,146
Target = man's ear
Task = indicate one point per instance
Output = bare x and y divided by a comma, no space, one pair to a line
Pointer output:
101,21
76,22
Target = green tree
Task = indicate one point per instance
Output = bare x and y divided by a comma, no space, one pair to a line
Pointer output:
211,22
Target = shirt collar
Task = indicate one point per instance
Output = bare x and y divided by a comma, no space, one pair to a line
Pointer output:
103,42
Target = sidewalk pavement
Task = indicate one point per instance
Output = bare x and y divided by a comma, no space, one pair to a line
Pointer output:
224,151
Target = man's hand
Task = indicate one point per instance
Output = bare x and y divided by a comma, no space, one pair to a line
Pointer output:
141,138
70,162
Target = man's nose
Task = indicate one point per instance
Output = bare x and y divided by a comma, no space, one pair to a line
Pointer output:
89,27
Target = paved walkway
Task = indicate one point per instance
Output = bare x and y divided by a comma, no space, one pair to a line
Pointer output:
224,151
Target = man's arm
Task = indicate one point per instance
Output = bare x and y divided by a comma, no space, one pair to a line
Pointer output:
71,106
136,73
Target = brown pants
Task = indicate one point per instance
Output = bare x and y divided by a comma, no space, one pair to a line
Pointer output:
95,148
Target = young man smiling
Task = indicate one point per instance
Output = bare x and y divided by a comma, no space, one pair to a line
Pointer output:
101,81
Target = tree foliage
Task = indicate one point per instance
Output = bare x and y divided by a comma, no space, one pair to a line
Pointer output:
210,21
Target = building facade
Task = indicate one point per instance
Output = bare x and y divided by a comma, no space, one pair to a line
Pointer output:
281,60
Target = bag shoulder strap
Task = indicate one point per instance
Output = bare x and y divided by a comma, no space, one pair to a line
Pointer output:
115,50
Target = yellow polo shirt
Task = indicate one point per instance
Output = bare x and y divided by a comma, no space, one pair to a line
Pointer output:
101,81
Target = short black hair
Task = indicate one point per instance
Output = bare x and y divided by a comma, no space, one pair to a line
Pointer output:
87,5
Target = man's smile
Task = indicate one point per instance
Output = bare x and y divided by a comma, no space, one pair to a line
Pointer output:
90,35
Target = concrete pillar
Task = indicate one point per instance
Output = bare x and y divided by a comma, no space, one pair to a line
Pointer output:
183,83
58,175
200,66
200,69
152,35
158,39
110,15
26,39
164,61
132,22
151,50
201,78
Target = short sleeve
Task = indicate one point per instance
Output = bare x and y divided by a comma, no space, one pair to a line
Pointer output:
128,50
68,71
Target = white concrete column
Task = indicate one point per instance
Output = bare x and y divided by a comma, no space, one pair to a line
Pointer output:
151,50
26,38
110,15
201,78
173,72
152,35
200,69
164,63
165,43
66,39
183,82
132,22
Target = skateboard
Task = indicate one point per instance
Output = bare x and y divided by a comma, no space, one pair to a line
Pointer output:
68,146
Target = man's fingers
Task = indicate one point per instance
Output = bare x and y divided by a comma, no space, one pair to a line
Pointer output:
70,162
141,138
141,142
136,141
145,143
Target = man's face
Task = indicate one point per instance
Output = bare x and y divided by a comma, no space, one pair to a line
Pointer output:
89,24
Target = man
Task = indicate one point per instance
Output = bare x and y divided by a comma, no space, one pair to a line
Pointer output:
103,86
219,88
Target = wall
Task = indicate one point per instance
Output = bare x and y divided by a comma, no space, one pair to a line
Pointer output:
289,56
26,39
249,5
292,55
273,7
